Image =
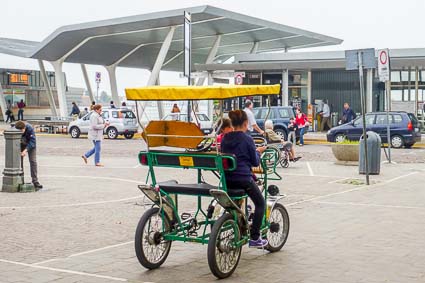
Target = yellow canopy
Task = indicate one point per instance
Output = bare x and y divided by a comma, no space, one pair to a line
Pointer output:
199,92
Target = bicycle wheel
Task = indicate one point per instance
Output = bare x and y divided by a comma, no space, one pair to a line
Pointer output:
279,228
151,249
284,162
223,255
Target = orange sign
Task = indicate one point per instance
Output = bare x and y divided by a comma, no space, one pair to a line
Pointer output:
310,113
18,79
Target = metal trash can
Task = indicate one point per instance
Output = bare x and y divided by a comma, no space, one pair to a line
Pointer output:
335,118
373,152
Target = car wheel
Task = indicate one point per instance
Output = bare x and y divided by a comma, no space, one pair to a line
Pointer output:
112,133
75,132
397,141
281,132
340,138
129,135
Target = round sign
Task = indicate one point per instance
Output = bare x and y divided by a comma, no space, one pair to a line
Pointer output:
238,79
383,57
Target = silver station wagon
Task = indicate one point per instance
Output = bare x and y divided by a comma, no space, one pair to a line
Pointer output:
122,121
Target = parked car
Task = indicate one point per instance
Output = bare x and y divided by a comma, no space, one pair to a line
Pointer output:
122,121
404,128
204,123
280,116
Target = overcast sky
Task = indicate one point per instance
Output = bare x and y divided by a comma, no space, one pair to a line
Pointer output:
360,23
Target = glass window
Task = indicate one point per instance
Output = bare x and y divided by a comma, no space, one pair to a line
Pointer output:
381,119
128,114
404,76
369,120
422,76
397,95
284,113
87,117
105,115
115,114
395,76
397,119
202,117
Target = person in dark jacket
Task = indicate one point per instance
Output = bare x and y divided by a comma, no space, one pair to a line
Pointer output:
28,146
347,114
75,111
247,156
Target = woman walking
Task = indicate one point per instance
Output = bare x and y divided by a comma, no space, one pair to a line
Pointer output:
9,112
97,124
300,121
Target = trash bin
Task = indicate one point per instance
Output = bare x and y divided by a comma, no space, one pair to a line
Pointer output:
373,154
334,117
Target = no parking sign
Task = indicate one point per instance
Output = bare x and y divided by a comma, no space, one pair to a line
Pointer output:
239,78
383,65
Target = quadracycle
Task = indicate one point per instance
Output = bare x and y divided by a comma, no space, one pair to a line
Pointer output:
222,217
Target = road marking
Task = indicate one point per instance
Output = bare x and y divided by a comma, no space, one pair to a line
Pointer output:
339,180
369,205
101,249
309,169
65,270
351,190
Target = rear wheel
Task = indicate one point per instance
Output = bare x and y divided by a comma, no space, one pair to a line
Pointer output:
151,249
279,228
75,132
112,133
340,138
397,141
281,132
129,136
223,254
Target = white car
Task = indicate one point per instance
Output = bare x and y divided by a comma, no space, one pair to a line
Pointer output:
122,121
204,123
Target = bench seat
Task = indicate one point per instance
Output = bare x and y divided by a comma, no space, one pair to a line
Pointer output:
203,189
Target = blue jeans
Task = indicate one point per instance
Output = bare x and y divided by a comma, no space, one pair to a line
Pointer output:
96,151
302,136
21,114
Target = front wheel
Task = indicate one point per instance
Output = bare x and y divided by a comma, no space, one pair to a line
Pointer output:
279,228
281,132
75,132
223,253
151,249
340,138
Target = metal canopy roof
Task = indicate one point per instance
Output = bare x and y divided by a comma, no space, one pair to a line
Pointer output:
135,41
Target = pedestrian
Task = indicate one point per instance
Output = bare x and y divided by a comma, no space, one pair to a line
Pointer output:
28,146
326,114
75,111
301,121
175,109
97,124
273,137
347,114
9,112
292,130
252,123
247,156
111,104
92,105
21,106
84,112
225,127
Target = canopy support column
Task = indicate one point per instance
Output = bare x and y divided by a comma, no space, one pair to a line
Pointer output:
254,48
113,83
49,90
160,59
60,87
87,81
2,103
369,90
285,88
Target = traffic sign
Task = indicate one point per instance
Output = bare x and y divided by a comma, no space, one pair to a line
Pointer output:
238,79
383,65
98,77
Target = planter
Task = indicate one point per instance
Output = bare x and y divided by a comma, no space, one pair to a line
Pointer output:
346,154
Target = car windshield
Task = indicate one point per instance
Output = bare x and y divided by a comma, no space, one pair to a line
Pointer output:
128,114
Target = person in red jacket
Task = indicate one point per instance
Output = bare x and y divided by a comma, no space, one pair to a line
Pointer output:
300,120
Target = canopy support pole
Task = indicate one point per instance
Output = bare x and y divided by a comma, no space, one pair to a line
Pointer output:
254,48
113,83
3,103
60,87
47,85
160,59
87,81
369,90
285,88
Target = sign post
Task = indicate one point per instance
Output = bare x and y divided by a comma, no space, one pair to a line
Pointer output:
98,78
358,60
384,73
188,54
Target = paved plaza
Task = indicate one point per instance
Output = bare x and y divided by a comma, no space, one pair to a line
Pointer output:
81,227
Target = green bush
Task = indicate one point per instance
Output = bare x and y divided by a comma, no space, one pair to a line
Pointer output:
348,142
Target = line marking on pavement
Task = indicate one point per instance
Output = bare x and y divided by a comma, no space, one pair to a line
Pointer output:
65,270
137,166
309,169
339,180
101,249
370,205
351,190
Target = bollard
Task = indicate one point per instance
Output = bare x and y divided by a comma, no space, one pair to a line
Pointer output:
12,174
